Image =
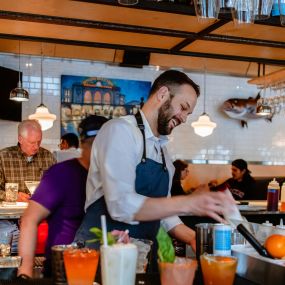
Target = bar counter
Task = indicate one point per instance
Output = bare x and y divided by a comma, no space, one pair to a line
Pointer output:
142,279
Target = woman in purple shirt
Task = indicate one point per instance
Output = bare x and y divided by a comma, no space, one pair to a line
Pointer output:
60,199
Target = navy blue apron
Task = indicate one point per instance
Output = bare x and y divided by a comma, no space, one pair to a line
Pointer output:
152,180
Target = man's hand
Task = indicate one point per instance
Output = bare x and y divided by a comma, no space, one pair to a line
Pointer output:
213,183
23,197
209,204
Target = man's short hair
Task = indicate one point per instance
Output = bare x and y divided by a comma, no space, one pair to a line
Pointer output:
71,139
28,124
173,78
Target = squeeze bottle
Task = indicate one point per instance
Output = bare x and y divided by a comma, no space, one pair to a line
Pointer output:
282,208
273,195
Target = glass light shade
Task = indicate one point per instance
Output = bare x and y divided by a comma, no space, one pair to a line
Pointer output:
263,110
19,94
203,127
44,117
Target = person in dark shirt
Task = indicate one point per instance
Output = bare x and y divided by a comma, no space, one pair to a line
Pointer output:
241,184
181,172
68,141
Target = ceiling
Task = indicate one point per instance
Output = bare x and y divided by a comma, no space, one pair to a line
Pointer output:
160,33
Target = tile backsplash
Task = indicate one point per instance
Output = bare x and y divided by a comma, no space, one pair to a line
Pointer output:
262,141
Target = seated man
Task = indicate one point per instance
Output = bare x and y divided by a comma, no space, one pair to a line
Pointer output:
241,185
26,161
69,144
60,198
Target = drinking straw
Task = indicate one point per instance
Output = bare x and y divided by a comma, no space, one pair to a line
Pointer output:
121,238
104,230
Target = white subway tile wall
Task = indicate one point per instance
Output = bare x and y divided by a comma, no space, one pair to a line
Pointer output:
261,141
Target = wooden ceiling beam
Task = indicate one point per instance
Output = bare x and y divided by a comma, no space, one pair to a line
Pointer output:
189,36
145,49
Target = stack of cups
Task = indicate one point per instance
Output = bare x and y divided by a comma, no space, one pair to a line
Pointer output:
206,9
263,9
243,12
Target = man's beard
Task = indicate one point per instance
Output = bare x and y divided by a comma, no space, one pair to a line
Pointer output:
164,116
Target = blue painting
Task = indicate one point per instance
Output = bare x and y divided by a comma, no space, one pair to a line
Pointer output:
82,96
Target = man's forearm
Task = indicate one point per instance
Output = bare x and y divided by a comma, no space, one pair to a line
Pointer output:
160,208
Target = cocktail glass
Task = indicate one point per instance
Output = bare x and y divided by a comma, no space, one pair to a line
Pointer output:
32,186
144,254
5,243
80,265
11,191
118,264
181,272
218,270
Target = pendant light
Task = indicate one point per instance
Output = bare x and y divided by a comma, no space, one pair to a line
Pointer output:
204,127
19,94
263,108
42,114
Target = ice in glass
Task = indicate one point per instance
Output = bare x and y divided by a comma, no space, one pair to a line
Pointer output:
118,264
218,270
80,265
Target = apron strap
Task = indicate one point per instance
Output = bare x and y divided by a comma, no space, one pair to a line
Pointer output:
163,160
139,120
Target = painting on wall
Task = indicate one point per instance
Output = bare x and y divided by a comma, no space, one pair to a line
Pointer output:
82,96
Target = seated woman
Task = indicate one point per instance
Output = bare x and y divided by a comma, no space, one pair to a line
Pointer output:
241,185
181,172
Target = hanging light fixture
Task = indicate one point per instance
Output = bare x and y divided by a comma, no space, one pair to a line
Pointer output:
204,127
19,94
263,108
42,114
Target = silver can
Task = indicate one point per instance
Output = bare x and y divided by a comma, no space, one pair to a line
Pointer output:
222,239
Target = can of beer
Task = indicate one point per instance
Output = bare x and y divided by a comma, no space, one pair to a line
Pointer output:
222,239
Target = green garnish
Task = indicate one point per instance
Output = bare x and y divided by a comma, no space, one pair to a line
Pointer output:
99,236
166,252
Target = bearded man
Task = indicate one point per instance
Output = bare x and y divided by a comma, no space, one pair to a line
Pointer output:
130,174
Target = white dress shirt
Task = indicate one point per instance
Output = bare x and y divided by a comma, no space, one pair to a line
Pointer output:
118,149
65,154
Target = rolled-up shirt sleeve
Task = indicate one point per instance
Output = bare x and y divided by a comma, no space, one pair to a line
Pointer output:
170,223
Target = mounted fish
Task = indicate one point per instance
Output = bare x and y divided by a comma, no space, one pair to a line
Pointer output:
243,109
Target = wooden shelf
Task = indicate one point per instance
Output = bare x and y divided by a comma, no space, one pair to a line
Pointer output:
271,79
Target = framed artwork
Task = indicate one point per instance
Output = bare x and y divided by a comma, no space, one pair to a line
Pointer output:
82,96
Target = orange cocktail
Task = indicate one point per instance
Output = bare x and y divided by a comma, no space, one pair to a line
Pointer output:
80,265
218,270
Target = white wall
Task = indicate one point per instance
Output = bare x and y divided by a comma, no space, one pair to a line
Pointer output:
261,141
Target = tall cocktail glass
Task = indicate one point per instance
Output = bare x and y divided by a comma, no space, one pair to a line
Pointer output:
218,270
119,262
80,265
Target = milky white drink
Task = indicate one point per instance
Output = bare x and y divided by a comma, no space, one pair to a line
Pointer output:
118,264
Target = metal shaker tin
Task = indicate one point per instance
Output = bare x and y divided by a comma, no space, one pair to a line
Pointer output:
222,239
57,263
204,239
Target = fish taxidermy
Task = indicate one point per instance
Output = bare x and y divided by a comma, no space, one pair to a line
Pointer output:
243,109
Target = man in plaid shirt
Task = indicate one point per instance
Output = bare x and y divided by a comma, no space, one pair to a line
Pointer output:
26,161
